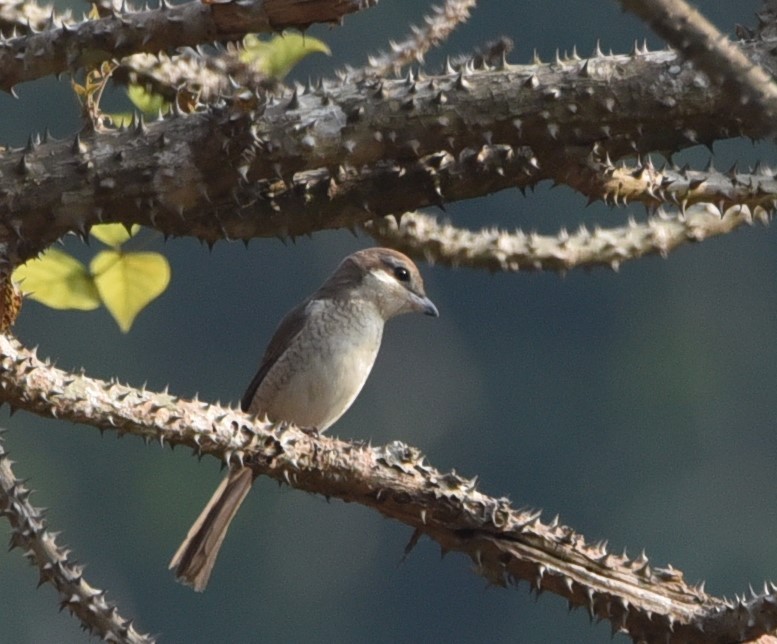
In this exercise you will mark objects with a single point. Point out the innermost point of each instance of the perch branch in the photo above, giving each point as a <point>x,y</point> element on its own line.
<point>507,545</point>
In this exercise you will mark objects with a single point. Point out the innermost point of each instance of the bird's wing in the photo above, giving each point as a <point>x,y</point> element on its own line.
<point>289,328</point>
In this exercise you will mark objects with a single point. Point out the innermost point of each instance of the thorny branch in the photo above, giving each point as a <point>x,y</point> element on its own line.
<point>438,26</point>
<point>71,46</point>
<point>507,545</point>
<point>39,545</point>
<point>341,153</point>
<point>420,235</point>
<point>347,152</point>
<point>685,29</point>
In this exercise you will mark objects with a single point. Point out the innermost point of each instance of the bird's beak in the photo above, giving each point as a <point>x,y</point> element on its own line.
<point>427,307</point>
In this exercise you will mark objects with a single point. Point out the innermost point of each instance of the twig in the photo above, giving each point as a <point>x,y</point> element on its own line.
<point>39,546</point>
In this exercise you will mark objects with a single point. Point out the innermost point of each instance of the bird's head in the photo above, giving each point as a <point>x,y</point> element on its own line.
<point>385,277</point>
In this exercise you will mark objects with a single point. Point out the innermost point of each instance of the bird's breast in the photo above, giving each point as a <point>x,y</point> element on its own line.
<point>320,374</point>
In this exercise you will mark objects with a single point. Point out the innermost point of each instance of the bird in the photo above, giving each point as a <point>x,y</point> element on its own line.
<point>311,372</point>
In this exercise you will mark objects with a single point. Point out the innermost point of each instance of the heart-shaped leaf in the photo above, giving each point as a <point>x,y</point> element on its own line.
<point>59,281</point>
<point>276,57</point>
<point>127,282</point>
<point>113,234</point>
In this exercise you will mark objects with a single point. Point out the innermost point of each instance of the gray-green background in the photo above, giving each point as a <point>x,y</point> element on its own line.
<point>639,406</point>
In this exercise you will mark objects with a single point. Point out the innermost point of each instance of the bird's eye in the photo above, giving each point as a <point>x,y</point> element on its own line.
<point>402,274</point>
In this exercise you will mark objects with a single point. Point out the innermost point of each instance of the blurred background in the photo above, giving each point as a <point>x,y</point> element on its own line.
<point>637,405</point>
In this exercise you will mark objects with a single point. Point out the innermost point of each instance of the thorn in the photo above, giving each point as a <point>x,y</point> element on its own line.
<point>411,544</point>
<point>293,104</point>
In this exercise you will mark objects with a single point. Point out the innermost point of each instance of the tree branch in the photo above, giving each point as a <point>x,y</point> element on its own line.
<point>72,46</point>
<point>421,236</point>
<point>39,546</point>
<point>743,82</point>
<point>507,545</point>
<point>344,153</point>
<point>18,17</point>
<point>438,26</point>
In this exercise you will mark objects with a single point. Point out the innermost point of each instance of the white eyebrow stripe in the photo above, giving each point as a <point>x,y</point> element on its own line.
<point>382,275</point>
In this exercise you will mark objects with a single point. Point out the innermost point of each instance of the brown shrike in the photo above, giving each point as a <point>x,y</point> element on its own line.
<point>314,367</point>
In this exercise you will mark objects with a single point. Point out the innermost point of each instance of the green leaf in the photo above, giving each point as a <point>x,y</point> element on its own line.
<point>122,119</point>
<point>59,281</point>
<point>114,234</point>
<point>127,282</point>
<point>278,55</point>
<point>146,101</point>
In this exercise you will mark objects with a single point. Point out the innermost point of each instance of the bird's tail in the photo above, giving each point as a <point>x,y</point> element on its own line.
<point>194,559</point>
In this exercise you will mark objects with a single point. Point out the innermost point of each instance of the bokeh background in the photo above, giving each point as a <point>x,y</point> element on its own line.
<point>637,405</point>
